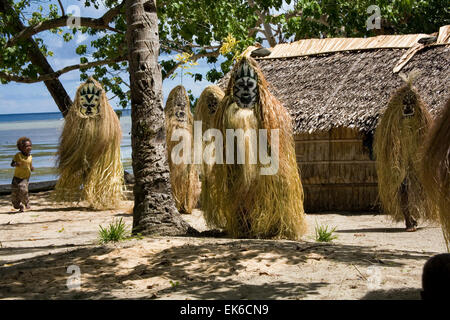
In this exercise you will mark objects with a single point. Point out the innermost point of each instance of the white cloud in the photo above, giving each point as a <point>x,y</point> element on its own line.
<point>59,63</point>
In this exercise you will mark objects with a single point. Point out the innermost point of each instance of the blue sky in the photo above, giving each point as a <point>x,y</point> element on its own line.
<point>35,98</point>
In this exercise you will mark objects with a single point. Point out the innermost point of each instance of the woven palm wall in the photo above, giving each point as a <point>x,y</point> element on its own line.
<point>337,171</point>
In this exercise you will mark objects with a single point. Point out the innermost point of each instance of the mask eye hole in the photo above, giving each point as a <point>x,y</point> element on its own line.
<point>180,114</point>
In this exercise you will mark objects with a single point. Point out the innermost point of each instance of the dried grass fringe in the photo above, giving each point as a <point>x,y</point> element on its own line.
<point>261,206</point>
<point>184,178</point>
<point>397,150</point>
<point>207,105</point>
<point>436,169</point>
<point>88,157</point>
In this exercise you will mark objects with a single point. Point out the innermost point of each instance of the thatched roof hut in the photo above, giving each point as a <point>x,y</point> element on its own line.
<point>335,91</point>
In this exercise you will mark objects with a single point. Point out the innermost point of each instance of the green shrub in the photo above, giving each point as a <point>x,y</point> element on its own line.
<point>116,231</point>
<point>323,235</point>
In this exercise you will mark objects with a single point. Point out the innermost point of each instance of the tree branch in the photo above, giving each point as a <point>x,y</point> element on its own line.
<point>267,28</point>
<point>56,74</point>
<point>94,23</point>
<point>194,58</point>
<point>37,58</point>
<point>292,14</point>
<point>62,8</point>
<point>253,31</point>
<point>111,13</point>
<point>170,45</point>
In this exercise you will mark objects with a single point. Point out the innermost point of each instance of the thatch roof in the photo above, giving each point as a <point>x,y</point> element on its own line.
<point>352,88</point>
<point>308,47</point>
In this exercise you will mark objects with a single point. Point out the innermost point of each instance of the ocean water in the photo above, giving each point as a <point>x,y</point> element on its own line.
<point>44,130</point>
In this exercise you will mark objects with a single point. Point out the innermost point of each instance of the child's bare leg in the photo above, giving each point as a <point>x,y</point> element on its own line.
<point>15,193</point>
<point>23,193</point>
<point>16,205</point>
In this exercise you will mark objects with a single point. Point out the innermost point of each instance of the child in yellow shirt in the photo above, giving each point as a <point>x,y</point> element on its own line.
<point>23,163</point>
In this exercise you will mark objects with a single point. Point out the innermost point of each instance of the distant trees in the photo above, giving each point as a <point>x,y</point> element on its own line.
<point>189,31</point>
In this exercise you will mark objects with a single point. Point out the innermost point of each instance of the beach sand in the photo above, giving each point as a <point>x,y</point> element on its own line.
<point>372,258</point>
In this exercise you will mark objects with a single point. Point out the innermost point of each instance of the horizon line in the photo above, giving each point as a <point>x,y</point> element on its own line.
<point>18,114</point>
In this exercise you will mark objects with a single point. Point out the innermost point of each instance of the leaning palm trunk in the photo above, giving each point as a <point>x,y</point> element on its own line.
<point>154,211</point>
<point>436,169</point>
<point>183,174</point>
<point>250,204</point>
<point>88,157</point>
<point>398,138</point>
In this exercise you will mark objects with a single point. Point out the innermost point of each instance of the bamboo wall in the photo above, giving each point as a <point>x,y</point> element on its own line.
<point>336,171</point>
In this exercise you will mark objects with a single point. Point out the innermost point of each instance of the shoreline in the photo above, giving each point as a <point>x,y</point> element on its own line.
<point>33,187</point>
<point>40,186</point>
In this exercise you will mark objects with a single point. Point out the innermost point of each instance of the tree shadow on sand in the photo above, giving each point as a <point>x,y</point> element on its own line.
<point>200,269</point>
<point>5,201</point>
<point>45,276</point>
<point>375,230</point>
<point>53,209</point>
<point>393,294</point>
<point>6,226</point>
<point>11,251</point>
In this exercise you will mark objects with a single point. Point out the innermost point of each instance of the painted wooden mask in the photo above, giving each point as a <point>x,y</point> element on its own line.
<point>89,99</point>
<point>409,100</point>
<point>180,104</point>
<point>245,90</point>
<point>213,103</point>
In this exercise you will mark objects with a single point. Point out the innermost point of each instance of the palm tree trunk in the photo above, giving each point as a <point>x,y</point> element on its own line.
<point>154,208</point>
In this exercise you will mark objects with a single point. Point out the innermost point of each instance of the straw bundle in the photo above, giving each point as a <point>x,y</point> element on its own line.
<point>207,105</point>
<point>183,176</point>
<point>250,204</point>
<point>88,156</point>
<point>398,137</point>
<point>436,169</point>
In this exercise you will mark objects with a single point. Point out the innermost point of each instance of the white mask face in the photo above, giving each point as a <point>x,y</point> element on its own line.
<point>180,102</point>
<point>245,90</point>
<point>90,99</point>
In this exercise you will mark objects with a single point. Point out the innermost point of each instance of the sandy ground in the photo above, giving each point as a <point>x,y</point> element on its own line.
<point>372,258</point>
